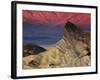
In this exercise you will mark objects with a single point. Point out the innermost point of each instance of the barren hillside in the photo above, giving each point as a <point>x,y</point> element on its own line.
<point>73,50</point>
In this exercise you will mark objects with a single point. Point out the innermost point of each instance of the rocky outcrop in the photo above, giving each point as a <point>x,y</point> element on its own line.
<point>74,40</point>
<point>73,50</point>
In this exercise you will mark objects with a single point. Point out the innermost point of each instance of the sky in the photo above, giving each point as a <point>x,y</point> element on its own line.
<point>46,28</point>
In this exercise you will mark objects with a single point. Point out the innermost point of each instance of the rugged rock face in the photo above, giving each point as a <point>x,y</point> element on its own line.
<point>75,39</point>
<point>72,50</point>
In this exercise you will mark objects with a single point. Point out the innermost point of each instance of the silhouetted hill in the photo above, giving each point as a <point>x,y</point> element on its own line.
<point>32,49</point>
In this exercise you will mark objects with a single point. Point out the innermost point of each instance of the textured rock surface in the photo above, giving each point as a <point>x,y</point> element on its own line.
<point>72,50</point>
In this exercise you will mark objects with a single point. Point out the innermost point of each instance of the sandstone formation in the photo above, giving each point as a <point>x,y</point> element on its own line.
<point>73,50</point>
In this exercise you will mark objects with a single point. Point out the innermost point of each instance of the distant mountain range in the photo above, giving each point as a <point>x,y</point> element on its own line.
<point>32,49</point>
<point>72,50</point>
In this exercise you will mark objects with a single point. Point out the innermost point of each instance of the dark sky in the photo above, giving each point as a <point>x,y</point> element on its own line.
<point>46,28</point>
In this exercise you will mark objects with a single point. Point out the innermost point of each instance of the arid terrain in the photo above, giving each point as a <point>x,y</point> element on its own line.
<point>72,50</point>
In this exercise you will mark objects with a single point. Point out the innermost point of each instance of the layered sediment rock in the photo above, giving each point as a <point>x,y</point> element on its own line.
<point>72,50</point>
